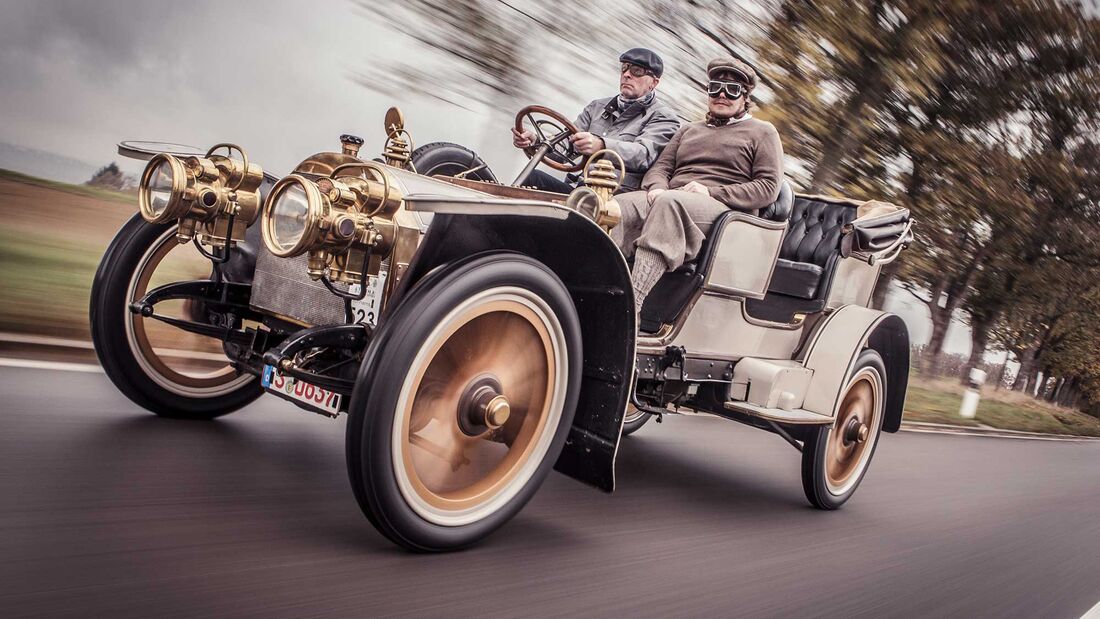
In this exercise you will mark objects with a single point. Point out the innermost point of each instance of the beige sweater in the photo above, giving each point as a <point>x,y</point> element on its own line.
<point>740,163</point>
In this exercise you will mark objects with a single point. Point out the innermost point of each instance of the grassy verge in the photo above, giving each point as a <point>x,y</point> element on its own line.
<point>46,283</point>
<point>938,401</point>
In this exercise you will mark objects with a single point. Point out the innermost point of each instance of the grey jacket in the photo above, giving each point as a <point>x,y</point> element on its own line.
<point>637,133</point>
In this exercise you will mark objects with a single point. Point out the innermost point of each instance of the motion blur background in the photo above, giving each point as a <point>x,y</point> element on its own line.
<point>979,116</point>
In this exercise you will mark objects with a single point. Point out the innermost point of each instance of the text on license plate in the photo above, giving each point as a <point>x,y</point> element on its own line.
<point>300,390</point>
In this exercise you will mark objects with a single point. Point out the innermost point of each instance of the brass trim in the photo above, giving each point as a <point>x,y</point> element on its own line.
<point>180,181</point>
<point>316,209</point>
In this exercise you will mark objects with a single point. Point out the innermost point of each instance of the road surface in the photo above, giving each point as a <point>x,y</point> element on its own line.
<point>110,511</point>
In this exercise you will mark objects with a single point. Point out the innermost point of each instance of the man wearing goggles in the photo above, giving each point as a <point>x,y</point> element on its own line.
<point>728,161</point>
<point>634,124</point>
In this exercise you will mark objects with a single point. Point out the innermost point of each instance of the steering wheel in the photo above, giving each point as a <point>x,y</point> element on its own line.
<point>551,143</point>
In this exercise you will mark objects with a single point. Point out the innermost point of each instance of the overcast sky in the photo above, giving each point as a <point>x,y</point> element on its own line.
<point>79,76</point>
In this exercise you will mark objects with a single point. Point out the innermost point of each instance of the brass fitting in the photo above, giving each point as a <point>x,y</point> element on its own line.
<point>601,179</point>
<point>396,150</point>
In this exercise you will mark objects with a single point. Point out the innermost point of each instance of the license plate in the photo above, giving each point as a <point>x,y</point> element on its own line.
<point>366,310</point>
<point>300,391</point>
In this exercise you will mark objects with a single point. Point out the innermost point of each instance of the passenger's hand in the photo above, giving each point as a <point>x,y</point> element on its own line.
<point>585,143</point>
<point>522,139</point>
<point>696,187</point>
<point>653,193</point>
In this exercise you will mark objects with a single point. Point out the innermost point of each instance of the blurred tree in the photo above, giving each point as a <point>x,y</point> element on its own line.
<point>500,53</point>
<point>111,177</point>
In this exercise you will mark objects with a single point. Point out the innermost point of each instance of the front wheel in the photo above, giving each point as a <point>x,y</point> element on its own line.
<point>464,402</point>
<point>835,458</point>
<point>159,367</point>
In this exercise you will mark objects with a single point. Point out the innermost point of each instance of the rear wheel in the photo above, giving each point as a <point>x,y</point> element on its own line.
<point>634,420</point>
<point>161,368</point>
<point>835,458</point>
<point>461,410</point>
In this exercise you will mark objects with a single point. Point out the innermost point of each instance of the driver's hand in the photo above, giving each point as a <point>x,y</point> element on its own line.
<point>653,193</point>
<point>585,143</point>
<point>696,187</point>
<point>522,139</point>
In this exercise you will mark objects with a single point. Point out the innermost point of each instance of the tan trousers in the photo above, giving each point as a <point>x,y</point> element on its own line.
<point>674,226</point>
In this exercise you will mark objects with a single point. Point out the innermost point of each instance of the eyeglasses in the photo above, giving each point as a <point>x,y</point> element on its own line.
<point>634,70</point>
<point>733,90</point>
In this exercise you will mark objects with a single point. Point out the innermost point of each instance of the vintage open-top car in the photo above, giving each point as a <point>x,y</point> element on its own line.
<point>479,334</point>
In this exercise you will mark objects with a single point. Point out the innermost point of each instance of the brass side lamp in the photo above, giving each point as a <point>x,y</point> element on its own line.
<point>343,222</point>
<point>214,197</point>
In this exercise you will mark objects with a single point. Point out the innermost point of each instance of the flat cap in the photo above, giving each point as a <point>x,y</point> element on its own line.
<point>644,58</point>
<point>742,70</point>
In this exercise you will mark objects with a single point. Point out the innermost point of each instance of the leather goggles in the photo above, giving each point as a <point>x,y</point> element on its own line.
<point>733,90</point>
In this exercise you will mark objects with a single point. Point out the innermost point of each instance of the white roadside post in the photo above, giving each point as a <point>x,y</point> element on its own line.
<point>969,407</point>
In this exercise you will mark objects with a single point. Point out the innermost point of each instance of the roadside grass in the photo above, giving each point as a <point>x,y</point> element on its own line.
<point>938,401</point>
<point>46,283</point>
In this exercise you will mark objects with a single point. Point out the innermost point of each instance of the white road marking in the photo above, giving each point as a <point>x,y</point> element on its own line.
<point>1093,613</point>
<point>60,342</point>
<point>43,340</point>
<point>49,365</point>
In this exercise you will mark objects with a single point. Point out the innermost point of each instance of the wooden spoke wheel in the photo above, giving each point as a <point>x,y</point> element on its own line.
<point>160,367</point>
<point>835,458</point>
<point>463,408</point>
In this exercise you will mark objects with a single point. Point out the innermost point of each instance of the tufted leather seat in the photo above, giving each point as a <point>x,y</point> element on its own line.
<point>812,240</point>
<point>802,276</point>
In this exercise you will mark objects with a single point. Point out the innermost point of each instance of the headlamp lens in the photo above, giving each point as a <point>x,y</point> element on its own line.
<point>159,190</point>
<point>289,215</point>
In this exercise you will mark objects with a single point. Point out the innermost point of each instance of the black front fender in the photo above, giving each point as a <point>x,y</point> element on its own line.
<point>594,271</point>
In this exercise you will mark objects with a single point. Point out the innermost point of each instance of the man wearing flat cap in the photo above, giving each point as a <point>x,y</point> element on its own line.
<point>634,124</point>
<point>728,161</point>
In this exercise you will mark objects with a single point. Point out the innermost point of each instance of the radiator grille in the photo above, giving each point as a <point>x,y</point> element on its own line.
<point>281,286</point>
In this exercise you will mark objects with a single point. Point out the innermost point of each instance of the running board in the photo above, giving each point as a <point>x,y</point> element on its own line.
<point>795,416</point>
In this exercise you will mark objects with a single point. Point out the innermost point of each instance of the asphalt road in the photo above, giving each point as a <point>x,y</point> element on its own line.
<point>107,510</point>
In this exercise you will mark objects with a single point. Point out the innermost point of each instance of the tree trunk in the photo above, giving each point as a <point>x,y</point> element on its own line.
<point>1052,388</point>
<point>1069,392</point>
<point>1000,384</point>
<point>1027,360</point>
<point>979,339</point>
<point>933,353</point>
<point>1033,382</point>
<point>1056,393</point>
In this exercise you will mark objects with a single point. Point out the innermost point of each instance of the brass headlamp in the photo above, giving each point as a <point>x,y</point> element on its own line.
<point>213,197</point>
<point>344,222</point>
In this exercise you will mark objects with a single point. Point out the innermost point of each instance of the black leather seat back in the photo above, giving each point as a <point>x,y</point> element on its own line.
<point>814,231</point>
<point>807,262</point>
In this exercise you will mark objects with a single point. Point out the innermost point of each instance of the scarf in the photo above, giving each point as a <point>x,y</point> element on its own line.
<point>719,122</point>
<point>645,100</point>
